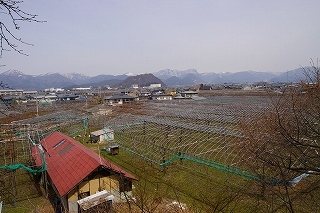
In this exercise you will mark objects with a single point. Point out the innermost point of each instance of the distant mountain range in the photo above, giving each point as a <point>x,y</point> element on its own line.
<point>192,77</point>
<point>18,80</point>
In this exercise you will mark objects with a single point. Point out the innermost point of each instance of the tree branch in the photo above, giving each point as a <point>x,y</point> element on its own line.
<point>7,39</point>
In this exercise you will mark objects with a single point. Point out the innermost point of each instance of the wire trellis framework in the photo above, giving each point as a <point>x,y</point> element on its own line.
<point>16,141</point>
<point>206,133</point>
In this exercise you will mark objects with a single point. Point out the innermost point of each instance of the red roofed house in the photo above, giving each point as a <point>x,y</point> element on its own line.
<point>76,172</point>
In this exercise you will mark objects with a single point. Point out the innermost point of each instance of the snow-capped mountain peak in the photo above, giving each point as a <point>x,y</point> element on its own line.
<point>176,73</point>
<point>14,73</point>
<point>75,75</point>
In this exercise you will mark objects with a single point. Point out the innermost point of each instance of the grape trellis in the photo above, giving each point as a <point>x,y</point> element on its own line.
<point>206,133</point>
<point>16,141</point>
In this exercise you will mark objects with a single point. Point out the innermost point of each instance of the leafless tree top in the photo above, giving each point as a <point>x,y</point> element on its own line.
<point>11,9</point>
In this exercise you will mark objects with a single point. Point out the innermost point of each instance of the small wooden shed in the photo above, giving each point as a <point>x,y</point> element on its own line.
<point>114,150</point>
<point>101,135</point>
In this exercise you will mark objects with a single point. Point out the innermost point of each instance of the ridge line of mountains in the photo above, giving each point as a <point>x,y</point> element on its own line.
<point>14,79</point>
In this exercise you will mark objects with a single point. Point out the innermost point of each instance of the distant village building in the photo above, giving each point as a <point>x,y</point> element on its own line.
<point>171,92</point>
<point>158,91</point>
<point>33,92</point>
<point>54,90</point>
<point>161,97</point>
<point>135,86</point>
<point>119,99</point>
<point>43,98</point>
<point>155,86</point>
<point>14,92</point>
<point>7,100</point>
<point>205,87</point>
<point>247,88</point>
<point>81,88</point>
<point>67,97</point>
<point>144,95</point>
<point>188,94</point>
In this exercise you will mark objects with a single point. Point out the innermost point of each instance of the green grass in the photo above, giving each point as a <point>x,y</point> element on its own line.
<point>196,185</point>
<point>21,194</point>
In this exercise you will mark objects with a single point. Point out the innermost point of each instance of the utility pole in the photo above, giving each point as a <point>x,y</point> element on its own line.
<point>37,106</point>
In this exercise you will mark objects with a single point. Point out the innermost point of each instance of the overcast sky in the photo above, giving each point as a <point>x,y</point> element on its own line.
<point>144,36</point>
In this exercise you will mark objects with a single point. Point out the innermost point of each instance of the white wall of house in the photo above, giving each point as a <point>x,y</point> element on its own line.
<point>162,98</point>
<point>104,134</point>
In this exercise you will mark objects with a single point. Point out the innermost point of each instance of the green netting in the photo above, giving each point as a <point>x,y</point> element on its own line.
<point>210,163</point>
<point>213,164</point>
<point>85,123</point>
<point>15,167</point>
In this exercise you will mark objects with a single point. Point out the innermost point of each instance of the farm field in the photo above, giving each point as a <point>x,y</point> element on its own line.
<point>194,149</point>
<point>189,156</point>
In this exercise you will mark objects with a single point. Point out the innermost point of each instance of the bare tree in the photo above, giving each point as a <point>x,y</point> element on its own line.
<point>285,146</point>
<point>8,40</point>
<point>10,10</point>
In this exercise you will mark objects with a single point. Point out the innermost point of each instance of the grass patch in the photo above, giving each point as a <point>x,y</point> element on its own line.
<point>21,194</point>
<point>198,186</point>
